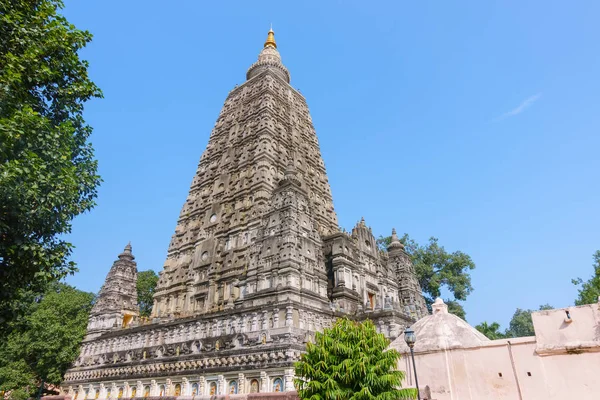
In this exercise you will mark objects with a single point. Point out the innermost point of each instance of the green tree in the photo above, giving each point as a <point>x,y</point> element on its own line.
<point>590,290</point>
<point>146,285</point>
<point>436,269</point>
<point>491,331</point>
<point>521,323</point>
<point>47,343</point>
<point>454,307</point>
<point>47,168</point>
<point>350,360</point>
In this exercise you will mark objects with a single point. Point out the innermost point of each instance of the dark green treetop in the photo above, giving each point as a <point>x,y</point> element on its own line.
<point>437,269</point>
<point>146,285</point>
<point>47,342</point>
<point>47,168</point>
<point>589,291</point>
<point>350,360</point>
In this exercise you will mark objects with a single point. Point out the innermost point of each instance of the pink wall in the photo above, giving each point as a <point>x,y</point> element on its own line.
<point>561,362</point>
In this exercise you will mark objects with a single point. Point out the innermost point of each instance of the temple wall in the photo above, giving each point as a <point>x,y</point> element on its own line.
<point>561,362</point>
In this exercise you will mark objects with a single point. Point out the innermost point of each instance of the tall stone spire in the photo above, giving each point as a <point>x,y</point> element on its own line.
<point>263,129</point>
<point>116,306</point>
<point>410,293</point>
<point>256,267</point>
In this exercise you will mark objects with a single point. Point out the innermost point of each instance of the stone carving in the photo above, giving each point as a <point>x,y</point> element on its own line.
<point>116,305</point>
<point>256,266</point>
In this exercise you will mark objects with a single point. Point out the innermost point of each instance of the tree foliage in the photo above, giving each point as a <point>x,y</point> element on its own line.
<point>438,269</point>
<point>350,361</point>
<point>491,331</point>
<point>454,307</point>
<point>47,169</point>
<point>146,285</point>
<point>521,324</point>
<point>47,343</point>
<point>589,291</point>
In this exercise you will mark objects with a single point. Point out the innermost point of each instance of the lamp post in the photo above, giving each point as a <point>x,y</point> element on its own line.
<point>410,338</point>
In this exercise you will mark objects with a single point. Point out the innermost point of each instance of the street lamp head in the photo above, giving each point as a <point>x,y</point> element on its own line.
<point>409,337</point>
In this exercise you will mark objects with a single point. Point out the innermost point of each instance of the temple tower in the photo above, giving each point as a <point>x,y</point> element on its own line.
<point>256,267</point>
<point>263,127</point>
<point>409,289</point>
<point>116,306</point>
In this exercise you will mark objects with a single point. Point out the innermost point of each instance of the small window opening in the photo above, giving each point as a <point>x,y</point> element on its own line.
<point>500,374</point>
<point>528,373</point>
<point>372,300</point>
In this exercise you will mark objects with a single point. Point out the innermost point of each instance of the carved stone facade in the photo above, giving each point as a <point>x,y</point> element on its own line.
<point>256,266</point>
<point>116,306</point>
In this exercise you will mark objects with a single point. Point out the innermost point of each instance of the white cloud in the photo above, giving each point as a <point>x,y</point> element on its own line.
<point>525,104</point>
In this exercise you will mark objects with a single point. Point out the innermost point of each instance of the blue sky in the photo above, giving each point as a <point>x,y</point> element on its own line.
<point>474,122</point>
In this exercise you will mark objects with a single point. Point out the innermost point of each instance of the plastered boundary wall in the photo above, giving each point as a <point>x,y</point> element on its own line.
<point>561,362</point>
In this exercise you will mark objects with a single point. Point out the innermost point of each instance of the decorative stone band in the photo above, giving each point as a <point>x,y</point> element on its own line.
<point>229,331</point>
<point>280,358</point>
<point>260,66</point>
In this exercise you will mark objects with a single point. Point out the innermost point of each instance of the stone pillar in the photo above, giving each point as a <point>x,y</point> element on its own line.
<point>254,322</point>
<point>102,394</point>
<point>264,382</point>
<point>288,377</point>
<point>139,389</point>
<point>241,293</point>
<point>197,330</point>
<point>261,284</point>
<point>211,293</point>
<point>241,383</point>
<point>202,386</point>
<point>186,388</point>
<point>243,323</point>
<point>289,316</point>
<point>221,389</point>
<point>153,388</point>
<point>276,318</point>
<point>114,392</point>
<point>265,320</point>
<point>302,319</point>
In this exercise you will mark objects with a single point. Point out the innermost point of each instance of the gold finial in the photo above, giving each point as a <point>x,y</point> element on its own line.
<point>271,38</point>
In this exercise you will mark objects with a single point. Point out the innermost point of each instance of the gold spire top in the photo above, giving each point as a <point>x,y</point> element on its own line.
<point>271,38</point>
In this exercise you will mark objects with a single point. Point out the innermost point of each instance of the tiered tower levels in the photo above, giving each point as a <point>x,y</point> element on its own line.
<point>256,266</point>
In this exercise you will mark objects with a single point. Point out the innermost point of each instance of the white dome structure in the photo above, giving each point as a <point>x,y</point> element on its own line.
<point>441,331</point>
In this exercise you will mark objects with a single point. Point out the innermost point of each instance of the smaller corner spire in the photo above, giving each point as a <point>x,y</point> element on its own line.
<point>127,253</point>
<point>395,243</point>
<point>271,38</point>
